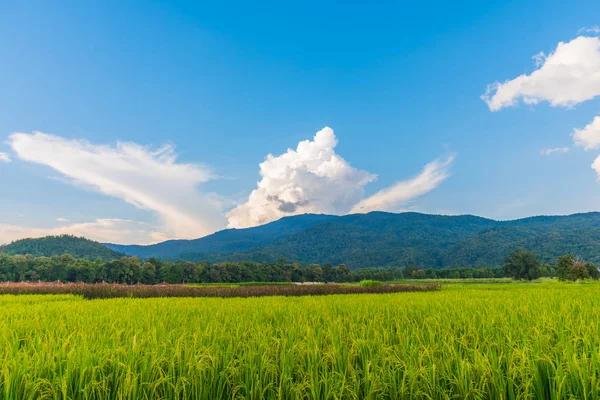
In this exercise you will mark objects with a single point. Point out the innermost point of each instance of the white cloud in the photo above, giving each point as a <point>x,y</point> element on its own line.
<point>310,179</point>
<point>548,152</point>
<point>401,192</point>
<point>151,180</point>
<point>5,158</point>
<point>314,179</point>
<point>101,230</point>
<point>568,76</point>
<point>593,29</point>
<point>596,166</point>
<point>588,137</point>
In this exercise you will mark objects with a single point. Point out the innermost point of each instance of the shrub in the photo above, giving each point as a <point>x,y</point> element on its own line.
<point>369,283</point>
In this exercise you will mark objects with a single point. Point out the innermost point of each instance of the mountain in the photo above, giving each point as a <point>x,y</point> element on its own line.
<point>58,245</point>
<point>228,240</point>
<point>387,239</point>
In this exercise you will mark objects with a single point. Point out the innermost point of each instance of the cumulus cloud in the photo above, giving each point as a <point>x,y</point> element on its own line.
<point>310,179</point>
<point>588,137</point>
<point>4,158</point>
<point>401,192</point>
<point>556,150</point>
<point>568,76</point>
<point>148,179</point>
<point>314,179</point>
<point>102,230</point>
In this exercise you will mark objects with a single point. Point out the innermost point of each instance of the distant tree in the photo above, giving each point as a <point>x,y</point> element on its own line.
<point>408,271</point>
<point>564,267</point>
<point>522,264</point>
<point>579,271</point>
<point>148,273</point>
<point>328,273</point>
<point>418,274</point>
<point>313,273</point>
<point>592,270</point>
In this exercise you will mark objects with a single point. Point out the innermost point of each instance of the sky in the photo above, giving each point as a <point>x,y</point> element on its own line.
<point>137,122</point>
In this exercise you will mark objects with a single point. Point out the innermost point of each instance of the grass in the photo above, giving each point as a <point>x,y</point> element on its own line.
<point>369,283</point>
<point>498,341</point>
<point>463,280</point>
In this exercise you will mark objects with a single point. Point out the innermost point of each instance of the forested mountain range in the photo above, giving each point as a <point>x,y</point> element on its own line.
<point>387,239</point>
<point>376,239</point>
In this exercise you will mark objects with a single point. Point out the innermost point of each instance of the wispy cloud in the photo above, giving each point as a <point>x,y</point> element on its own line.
<point>548,152</point>
<point>568,76</point>
<point>309,179</point>
<point>5,158</point>
<point>102,230</point>
<point>389,199</point>
<point>148,179</point>
<point>592,29</point>
<point>314,179</point>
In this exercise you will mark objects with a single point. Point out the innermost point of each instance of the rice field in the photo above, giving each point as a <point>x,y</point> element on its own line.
<point>467,341</point>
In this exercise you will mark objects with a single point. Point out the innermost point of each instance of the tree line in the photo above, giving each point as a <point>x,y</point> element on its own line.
<point>131,270</point>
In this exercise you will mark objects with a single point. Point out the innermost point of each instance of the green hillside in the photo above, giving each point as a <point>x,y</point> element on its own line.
<point>387,239</point>
<point>228,240</point>
<point>58,245</point>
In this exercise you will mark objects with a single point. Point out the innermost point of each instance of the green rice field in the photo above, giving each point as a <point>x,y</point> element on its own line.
<point>467,341</point>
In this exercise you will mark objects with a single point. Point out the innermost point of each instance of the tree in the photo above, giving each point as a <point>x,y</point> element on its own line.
<point>328,272</point>
<point>418,274</point>
<point>522,264</point>
<point>148,273</point>
<point>592,271</point>
<point>564,268</point>
<point>313,273</point>
<point>410,270</point>
<point>579,271</point>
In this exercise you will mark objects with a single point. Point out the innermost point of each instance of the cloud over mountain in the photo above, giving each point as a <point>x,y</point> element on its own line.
<point>314,179</point>
<point>311,178</point>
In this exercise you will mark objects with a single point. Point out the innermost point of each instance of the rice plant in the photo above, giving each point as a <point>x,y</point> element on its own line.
<point>496,341</point>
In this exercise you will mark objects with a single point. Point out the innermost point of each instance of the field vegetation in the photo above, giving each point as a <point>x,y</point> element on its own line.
<point>105,290</point>
<point>467,341</point>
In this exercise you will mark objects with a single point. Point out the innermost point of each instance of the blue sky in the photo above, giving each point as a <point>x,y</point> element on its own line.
<point>199,94</point>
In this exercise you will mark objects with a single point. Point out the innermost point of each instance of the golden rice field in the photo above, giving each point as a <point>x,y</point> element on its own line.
<point>471,341</point>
